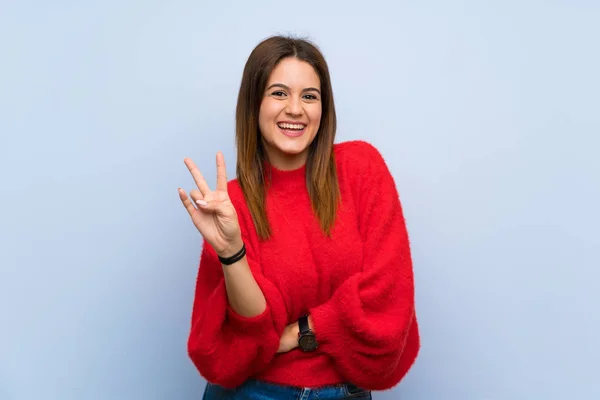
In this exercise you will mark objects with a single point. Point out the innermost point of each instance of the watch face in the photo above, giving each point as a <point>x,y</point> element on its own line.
<point>308,342</point>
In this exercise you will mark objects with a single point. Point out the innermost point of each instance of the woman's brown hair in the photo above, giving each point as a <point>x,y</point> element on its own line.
<point>321,175</point>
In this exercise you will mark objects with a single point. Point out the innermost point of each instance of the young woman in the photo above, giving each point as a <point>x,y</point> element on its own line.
<point>305,286</point>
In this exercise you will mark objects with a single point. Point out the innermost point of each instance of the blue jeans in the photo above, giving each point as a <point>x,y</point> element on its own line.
<point>258,390</point>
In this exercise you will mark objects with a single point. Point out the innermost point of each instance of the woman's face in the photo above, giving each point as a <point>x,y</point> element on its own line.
<point>290,113</point>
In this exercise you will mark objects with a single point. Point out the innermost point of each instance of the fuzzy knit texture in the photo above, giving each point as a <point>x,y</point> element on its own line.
<point>357,285</point>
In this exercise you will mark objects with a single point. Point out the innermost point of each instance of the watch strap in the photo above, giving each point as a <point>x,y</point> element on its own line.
<point>303,324</point>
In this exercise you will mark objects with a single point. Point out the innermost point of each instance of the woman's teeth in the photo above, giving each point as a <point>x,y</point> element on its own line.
<point>291,126</point>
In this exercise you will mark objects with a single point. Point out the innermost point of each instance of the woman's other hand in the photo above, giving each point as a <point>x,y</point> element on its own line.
<point>289,338</point>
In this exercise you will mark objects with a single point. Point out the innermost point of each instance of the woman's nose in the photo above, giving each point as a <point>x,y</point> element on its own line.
<point>294,107</point>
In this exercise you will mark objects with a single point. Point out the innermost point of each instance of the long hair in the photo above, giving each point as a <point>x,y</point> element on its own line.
<point>321,174</point>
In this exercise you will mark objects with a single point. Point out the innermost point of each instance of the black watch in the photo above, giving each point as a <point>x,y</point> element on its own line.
<point>307,341</point>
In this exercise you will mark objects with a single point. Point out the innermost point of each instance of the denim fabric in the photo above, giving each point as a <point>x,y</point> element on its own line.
<point>258,390</point>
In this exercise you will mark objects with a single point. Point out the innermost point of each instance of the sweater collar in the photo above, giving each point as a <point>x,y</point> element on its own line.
<point>290,179</point>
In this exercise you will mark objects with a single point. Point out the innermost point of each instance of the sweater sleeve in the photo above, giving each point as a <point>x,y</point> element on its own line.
<point>365,325</point>
<point>226,347</point>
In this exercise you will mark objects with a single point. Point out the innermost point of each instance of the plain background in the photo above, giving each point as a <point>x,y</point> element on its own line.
<point>489,118</point>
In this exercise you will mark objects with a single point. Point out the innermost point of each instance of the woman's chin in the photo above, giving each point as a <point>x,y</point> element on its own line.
<point>292,149</point>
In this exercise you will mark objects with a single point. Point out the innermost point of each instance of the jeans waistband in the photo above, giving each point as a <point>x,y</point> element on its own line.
<point>260,390</point>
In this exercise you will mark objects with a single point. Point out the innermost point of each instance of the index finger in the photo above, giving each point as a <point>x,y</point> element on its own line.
<point>198,178</point>
<point>221,172</point>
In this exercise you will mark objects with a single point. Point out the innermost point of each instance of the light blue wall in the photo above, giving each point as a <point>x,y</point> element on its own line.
<point>489,116</point>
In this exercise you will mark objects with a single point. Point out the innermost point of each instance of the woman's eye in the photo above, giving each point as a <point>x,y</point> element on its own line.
<point>278,93</point>
<point>310,97</point>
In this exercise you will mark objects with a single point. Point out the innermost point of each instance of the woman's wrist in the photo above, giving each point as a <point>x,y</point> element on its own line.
<point>294,333</point>
<point>232,249</point>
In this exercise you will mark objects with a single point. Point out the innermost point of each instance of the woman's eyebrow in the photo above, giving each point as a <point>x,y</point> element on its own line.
<point>281,85</point>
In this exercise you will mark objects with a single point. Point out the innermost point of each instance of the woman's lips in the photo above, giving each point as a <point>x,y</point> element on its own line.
<point>291,132</point>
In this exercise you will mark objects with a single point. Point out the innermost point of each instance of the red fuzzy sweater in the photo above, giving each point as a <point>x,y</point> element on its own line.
<point>357,285</point>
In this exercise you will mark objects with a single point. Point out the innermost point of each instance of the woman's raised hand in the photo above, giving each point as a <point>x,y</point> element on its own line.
<point>212,212</point>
